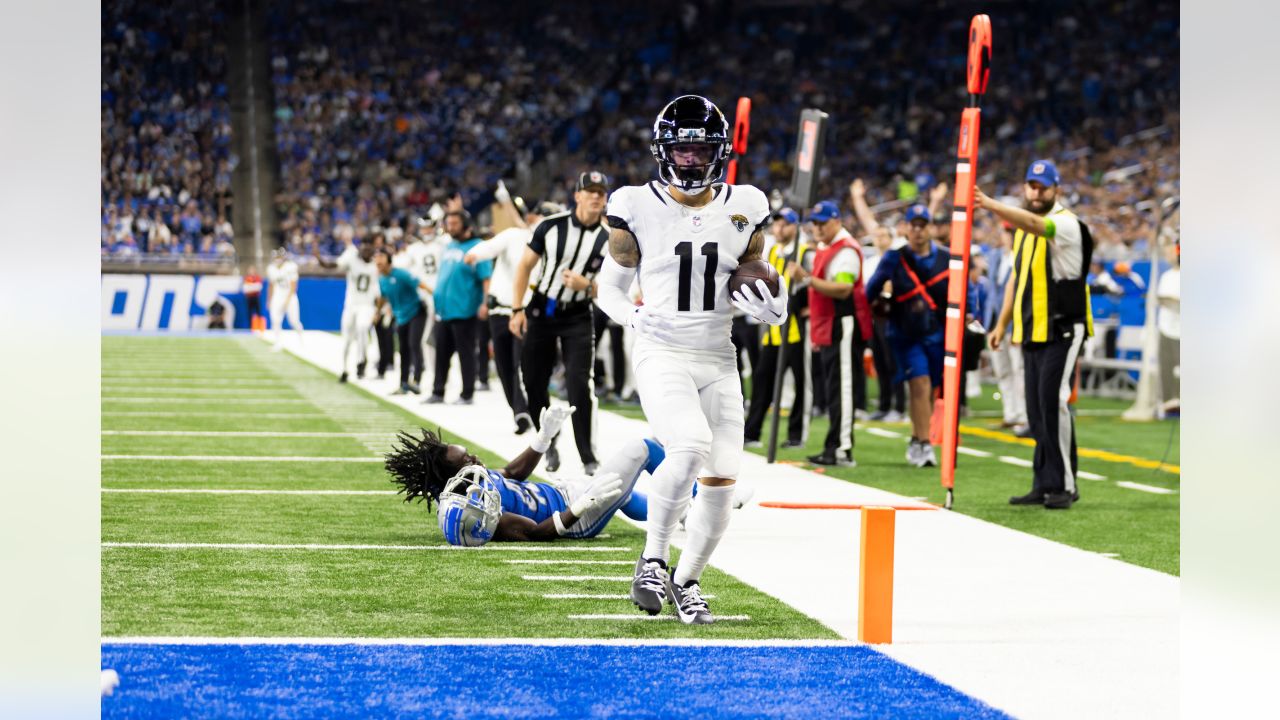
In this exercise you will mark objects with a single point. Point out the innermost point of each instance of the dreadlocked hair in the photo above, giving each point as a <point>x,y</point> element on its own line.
<point>417,465</point>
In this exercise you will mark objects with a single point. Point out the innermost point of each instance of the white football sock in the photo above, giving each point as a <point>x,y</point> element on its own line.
<point>705,525</point>
<point>669,491</point>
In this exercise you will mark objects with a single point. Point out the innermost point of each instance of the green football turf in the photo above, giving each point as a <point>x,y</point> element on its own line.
<point>1137,527</point>
<point>327,592</point>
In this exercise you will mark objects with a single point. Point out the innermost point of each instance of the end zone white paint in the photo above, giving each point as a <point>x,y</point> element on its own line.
<point>233,491</point>
<point>576,578</point>
<point>569,562</point>
<point>989,610</point>
<point>246,458</point>
<point>454,642</point>
<point>495,547</point>
<point>660,618</point>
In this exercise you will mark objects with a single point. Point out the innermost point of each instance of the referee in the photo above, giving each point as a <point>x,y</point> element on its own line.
<point>571,247</point>
<point>1047,300</point>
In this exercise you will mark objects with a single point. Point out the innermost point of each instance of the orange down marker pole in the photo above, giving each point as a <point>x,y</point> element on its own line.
<point>875,576</point>
<point>741,131</point>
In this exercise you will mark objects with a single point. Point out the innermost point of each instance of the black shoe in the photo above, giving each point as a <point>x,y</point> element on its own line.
<point>343,377</point>
<point>825,459</point>
<point>382,374</point>
<point>433,400</point>
<point>482,387</point>
<point>463,401</point>
<point>413,388</point>
<point>790,444</point>
<point>553,459</point>
<point>879,415</point>
<point>360,370</point>
<point>524,423</point>
<point>649,585</point>
<point>1059,501</point>
<point>1035,497</point>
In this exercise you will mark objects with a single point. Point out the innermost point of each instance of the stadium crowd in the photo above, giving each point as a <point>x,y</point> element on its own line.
<point>166,131</point>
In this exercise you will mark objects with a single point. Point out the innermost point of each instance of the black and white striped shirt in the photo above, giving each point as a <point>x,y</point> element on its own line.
<point>564,242</point>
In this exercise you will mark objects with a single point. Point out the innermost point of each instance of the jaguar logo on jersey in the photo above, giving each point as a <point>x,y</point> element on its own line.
<point>739,221</point>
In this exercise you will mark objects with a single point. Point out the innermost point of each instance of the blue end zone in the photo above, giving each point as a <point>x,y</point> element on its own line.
<point>529,681</point>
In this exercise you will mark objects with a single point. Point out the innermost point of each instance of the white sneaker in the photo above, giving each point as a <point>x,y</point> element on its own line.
<point>894,417</point>
<point>912,453</point>
<point>753,444</point>
<point>926,455</point>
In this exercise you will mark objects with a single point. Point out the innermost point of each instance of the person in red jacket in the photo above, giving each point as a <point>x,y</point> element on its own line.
<point>839,325</point>
<point>252,288</point>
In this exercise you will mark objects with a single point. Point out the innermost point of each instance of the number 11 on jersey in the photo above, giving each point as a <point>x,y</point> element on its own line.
<point>712,252</point>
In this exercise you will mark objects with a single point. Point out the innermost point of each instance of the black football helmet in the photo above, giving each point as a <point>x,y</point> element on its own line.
<point>691,120</point>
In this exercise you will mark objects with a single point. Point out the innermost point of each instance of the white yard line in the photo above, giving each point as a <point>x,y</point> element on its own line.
<point>1009,459</point>
<point>246,433</point>
<point>244,458</point>
<point>452,642</point>
<point>659,618</point>
<point>1089,476</point>
<point>970,451</point>
<point>1145,488</point>
<point>286,546</point>
<point>229,491</point>
<point>590,596</point>
<point>236,413</point>
<point>881,432</point>
<point>577,578</point>
<point>113,391</point>
<point>569,562</point>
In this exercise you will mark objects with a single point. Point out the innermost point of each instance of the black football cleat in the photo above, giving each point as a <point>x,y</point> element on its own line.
<point>649,586</point>
<point>1034,497</point>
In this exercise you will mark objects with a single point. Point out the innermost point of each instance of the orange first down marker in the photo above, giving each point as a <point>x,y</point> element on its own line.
<point>875,577</point>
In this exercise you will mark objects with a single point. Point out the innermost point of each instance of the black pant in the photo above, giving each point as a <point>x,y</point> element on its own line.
<point>819,375</point>
<point>762,390</point>
<point>253,303</point>
<point>409,335</point>
<point>456,336</point>
<point>574,333</point>
<point>746,339</point>
<point>893,395</point>
<point>838,362</point>
<point>506,356</point>
<point>482,351</point>
<point>1048,368</point>
<point>386,344</point>
<point>617,351</point>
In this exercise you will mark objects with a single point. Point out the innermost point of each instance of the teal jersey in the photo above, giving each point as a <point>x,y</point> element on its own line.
<point>400,288</point>
<point>459,290</point>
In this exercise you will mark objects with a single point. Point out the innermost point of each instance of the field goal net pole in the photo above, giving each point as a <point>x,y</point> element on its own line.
<point>1148,405</point>
<point>811,141</point>
<point>978,71</point>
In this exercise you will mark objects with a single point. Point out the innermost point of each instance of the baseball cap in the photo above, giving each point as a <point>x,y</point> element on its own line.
<point>547,207</point>
<point>917,212</point>
<point>1043,172</point>
<point>788,214</point>
<point>593,178</point>
<point>824,211</point>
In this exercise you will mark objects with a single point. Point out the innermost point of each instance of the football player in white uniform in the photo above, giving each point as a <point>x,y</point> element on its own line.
<point>282,273</point>
<point>360,303</point>
<point>422,258</point>
<point>684,236</point>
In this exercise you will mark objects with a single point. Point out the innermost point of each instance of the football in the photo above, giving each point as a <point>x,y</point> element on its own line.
<point>747,273</point>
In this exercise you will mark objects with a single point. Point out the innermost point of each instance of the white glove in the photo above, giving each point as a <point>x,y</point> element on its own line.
<point>772,310</point>
<point>602,491</point>
<point>502,194</point>
<point>647,323</point>
<point>551,420</point>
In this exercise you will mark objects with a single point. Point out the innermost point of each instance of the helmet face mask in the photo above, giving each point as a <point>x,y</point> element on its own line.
<point>691,143</point>
<point>470,507</point>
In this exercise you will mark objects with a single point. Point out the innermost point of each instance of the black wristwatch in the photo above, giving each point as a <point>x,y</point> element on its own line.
<point>515,310</point>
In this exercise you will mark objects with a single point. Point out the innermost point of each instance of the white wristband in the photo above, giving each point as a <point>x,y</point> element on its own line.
<point>539,445</point>
<point>560,528</point>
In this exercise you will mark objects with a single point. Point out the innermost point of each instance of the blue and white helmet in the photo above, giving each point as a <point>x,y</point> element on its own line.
<point>469,508</point>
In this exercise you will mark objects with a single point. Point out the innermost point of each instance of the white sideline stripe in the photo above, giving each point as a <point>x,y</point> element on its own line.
<point>245,458</point>
<point>881,432</point>
<point>267,546</point>
<point>569,562</point>
<point>970,451</point>
<point>1089,476</point>
<point>216,491</point>
<point>245,433</point>
<point>1145,488</point>
<point>238,401</point>
<point>589,596</point>
<point>577,578</point>
<point>198,391</point>
<point>659,618</point>
<point>1015,461</point>
<point>162,413</point>
<point>428,642</point>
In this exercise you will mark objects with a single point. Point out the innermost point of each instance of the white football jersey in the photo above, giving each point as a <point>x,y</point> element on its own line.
<point>687,254</point>
<point>362,279</point>
<point>422,259</point>
<point>282,276</point>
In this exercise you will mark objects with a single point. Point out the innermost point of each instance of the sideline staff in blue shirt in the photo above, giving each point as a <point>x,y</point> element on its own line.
<point>460,306</point>
<point>400,291</point>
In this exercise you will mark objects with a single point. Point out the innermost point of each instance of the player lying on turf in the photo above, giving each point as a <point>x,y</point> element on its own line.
<point>477,504</point>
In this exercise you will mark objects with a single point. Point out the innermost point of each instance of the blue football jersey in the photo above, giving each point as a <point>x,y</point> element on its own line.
<point>536,501</point>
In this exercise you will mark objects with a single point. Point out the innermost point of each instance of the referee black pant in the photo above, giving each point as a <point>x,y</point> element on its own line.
<point>456,336</point>
<point>838,360</point>
<point>385,332</point>
<point>410,336</point>
<point>1049,368</point>
<point>617,351</point>
<point>762,388</point>
<point>572,331</point>
<point>507,349</point>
